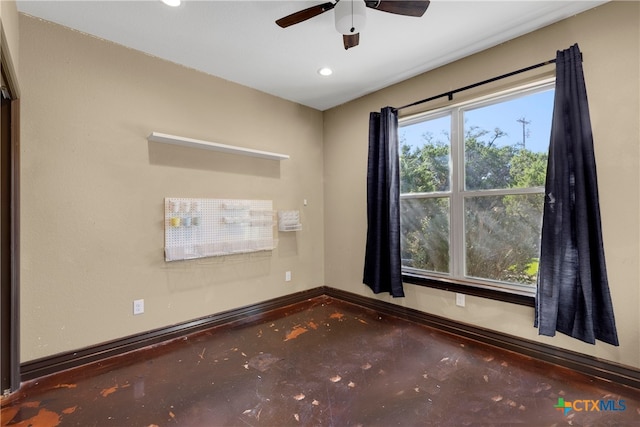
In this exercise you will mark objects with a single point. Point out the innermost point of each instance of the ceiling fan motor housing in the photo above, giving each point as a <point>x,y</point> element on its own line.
<point>350,16</point>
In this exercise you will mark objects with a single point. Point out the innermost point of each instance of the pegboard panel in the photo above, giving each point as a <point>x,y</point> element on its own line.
<point>199,228</point>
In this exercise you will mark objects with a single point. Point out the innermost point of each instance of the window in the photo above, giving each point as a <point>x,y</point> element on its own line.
<point>472,189</point>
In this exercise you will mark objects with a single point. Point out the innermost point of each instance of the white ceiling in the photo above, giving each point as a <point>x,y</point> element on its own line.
<point>239,40</point>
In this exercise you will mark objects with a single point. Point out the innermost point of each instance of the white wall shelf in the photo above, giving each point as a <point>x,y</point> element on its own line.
<point>230,149</point>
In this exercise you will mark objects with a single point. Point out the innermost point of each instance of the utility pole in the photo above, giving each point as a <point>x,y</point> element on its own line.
<point>524,132</point>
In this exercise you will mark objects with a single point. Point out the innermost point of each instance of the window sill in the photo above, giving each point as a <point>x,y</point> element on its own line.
<point>452,286</point>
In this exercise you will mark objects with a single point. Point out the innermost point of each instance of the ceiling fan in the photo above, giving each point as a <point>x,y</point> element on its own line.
<point>350,15</point>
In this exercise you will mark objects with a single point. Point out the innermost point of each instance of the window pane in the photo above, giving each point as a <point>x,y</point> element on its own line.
<point>425,156</point>
<point>502,237</point>
<point>425,233</point>
<point>506,143</point>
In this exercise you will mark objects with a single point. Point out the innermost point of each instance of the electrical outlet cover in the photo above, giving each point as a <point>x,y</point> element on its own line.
<point>138,306</point>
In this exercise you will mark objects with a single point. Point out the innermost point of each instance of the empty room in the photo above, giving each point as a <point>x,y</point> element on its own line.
<point>344,213</point>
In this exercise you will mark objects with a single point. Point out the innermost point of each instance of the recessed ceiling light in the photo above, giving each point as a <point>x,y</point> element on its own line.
<point>172,3</point>
<point>325,71</point>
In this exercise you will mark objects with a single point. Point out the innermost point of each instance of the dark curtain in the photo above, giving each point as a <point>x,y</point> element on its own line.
<point>573,291</point>
<point>382,264</point>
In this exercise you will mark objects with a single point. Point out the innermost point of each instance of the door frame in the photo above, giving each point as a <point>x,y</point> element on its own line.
<point>10,225</point>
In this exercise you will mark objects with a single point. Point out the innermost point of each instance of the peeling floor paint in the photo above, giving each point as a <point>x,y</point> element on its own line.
<point>330,363</point>
<point>295,332</point>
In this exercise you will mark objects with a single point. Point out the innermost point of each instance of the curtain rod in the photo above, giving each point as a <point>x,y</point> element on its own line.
<point>451,92</point>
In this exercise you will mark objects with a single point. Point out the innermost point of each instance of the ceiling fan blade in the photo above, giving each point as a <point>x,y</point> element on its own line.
<point>350,40</point>
<point>304,14</point>
<point>400,7</point>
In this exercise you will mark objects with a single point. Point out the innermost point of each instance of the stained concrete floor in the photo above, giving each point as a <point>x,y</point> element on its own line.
<point>324,363</point>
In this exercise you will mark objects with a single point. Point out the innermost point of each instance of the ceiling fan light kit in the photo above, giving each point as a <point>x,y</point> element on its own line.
<point>350,15</point>
<point>172,3</point>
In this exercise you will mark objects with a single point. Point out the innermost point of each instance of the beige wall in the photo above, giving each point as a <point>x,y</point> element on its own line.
<point>93,187</point>
<point>93,190</point>
<point>9,19</point>
<point>609,39</point>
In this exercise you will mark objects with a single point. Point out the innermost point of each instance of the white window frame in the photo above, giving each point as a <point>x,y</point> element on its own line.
<point>457,193</point>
